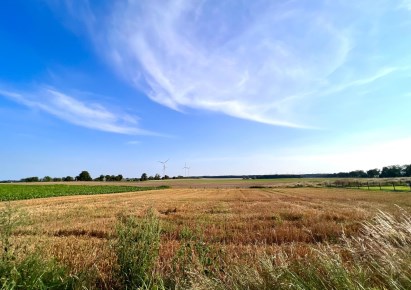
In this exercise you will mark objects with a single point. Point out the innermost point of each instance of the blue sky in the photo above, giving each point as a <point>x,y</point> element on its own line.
<point>228,87</point>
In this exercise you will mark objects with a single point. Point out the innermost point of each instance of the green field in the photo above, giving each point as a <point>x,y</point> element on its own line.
<point>22,191</point>
<point>384,188</point>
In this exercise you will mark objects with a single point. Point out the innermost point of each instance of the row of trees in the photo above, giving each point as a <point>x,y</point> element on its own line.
<point>83,176</point>
<point>145,177</point>
<point>47,179</point>
<point>387,171</point>
<point>109,178</point>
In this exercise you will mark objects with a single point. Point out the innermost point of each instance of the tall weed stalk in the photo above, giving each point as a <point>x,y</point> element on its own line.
<point>137,249</point>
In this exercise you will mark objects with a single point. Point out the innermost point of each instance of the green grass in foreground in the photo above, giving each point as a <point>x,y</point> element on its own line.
<point>19,191</point>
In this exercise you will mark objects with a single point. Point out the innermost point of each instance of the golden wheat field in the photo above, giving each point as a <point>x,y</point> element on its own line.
<point>78,230</point>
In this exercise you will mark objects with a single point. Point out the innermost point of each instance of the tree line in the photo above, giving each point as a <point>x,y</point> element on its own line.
<point>83,176</point>
<point>385,172</point>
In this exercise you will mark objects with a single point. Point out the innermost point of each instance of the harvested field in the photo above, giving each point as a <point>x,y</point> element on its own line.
<point>78,230</point>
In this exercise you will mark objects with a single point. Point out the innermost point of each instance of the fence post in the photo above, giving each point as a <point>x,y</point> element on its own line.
<point>379,183</point>
<point>393,185</point>
<point>368,186</point>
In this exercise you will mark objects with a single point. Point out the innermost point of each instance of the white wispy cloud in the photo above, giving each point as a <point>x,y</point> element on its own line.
<point>74,111</point>
<point>365,80</point>
<point>247,60</point>
<point>262,60</point>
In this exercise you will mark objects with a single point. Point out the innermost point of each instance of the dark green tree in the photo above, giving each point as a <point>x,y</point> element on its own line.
<point>157,177</point>
<point>84,176</point>
<point>391,171</point>
<point>372,173</point>
<point>143,177</point>
<point>30,179</point>
<point>68,178</point>
<point>406,170</point>
<point>357,174</point>
<point>100,178</point>
<point>46,179</point>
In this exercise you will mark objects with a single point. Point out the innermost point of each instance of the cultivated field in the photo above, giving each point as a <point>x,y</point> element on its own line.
<point>29,191</point>
<point>213,235</point>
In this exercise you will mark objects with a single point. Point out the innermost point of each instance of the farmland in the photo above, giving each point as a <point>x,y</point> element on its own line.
<point>21,191</point>
<point>209,233</point>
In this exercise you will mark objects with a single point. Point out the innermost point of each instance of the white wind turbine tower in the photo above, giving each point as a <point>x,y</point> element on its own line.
<point>186,169</point>
<point>164,166</point>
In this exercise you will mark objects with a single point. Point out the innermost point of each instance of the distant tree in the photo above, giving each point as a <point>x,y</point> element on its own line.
<point>166,177</point>
<point>150,178</point>
<point>391,171</point>
<point>372,173</point>
<point>46,179</point>
<point>68,178</point>
<point>406,170</point>
<point>57,179</point>
<point>343,174</point>
<point>118,177</point>
<point>143,177</point>
<point>157,177</point>
<point>357,174</point>
<point>30,179</point>
<point>84,176</point>
<point>100,178</point>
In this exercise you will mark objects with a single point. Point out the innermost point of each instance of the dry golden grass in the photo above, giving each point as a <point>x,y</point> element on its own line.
<point>78,230</point>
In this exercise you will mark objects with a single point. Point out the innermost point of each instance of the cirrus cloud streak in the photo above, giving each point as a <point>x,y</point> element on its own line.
<point>74,111</point>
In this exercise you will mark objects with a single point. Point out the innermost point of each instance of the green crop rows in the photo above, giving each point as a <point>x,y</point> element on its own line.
<point>17,191</point>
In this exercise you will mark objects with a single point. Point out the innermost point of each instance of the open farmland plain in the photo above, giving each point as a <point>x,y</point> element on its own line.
<point>217,235</point>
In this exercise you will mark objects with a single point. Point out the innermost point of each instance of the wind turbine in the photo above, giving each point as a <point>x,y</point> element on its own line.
<point>186,168</point>
<point>164,166</point>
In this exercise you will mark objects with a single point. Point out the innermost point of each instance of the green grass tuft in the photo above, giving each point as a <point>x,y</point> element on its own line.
<point>137,248</point>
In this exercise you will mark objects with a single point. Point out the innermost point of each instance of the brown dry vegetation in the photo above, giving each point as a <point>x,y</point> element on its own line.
<point>78,230</point>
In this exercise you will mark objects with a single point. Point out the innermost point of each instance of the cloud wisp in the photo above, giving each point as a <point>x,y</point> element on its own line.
<point>74,111</point>
<point>244,60</point>
<point>267,61</point>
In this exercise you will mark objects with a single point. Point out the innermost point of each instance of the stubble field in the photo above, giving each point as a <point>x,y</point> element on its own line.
<point>205,231</point>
